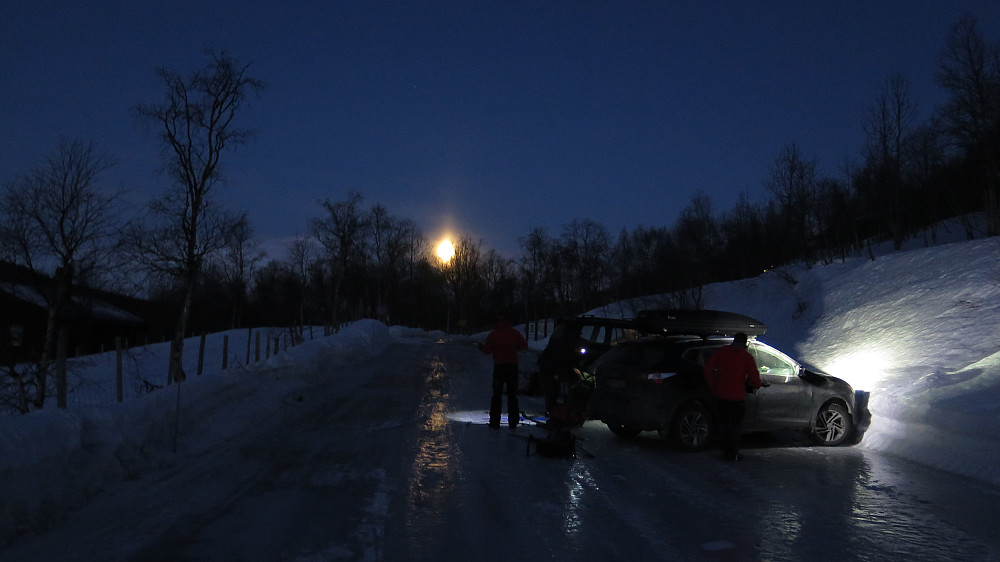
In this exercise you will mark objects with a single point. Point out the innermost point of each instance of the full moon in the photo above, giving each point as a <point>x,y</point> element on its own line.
<point>445,250</point>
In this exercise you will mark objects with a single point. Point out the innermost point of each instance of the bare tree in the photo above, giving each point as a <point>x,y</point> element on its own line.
<point>934,200</point>
<point>341,232</point>
<point>792,182</point>
<point>586,249</point>
<point>464,275</point>
<point>969,68</point>
<point>499,280</point>
<point>301,257</point>
<point>58,220</point>
<point>698,239</point>
<point>389,240</point>
<point>835,213</point>
<point>888,124</point>
<point>742,232</point>
<point>383,241</point>
<point>415,248</point>
<point>238,261</point>
<point>644,262</point>
<point>197,125</point>
<point>536,272</point>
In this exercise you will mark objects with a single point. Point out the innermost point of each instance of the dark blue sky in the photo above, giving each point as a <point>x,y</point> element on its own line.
<point>486,118</point>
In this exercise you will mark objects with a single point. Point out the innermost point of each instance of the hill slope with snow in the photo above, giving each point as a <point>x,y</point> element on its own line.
<point>920,329</point>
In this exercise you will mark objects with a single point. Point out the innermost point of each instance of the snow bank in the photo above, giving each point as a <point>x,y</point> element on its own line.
<point>920,329</point>
<point>53,458</point>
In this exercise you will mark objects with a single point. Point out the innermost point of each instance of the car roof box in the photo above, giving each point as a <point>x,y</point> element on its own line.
<point>698,322</point>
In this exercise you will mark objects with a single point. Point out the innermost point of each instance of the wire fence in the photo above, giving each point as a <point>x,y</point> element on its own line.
<point>127,373</point>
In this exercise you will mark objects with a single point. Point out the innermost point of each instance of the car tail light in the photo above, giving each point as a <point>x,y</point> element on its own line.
<point>658,378</point>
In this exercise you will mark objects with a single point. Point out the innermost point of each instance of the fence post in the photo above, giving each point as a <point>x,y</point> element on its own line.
<point>118,369</point>
<point>256,348</point>
<point>201,354</point>
<point>249,339</point>
<point>225,352</point>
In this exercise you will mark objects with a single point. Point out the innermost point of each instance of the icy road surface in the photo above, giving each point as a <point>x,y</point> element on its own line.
<point>373,466</point>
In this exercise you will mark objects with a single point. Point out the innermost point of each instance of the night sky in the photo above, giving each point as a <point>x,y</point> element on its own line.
<point>482,118</point>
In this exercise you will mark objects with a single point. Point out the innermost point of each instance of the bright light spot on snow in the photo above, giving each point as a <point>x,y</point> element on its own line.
<point>445,250</point>
<point>475,417</point>
<point>863,370</point>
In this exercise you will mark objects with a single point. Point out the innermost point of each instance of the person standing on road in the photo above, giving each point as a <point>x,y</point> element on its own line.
<point>731,372</point>
<point>503,343</point>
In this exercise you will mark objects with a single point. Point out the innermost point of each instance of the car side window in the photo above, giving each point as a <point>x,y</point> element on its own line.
<point>599,335</point>
<point>617,335</point>
<point>770,364</point>
<point>700,355</point>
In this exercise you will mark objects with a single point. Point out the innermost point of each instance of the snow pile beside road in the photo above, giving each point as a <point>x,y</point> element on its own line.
<point>52,458</point>
<point>361,340</point>
<point>946,420</point>
<point>919,329</point>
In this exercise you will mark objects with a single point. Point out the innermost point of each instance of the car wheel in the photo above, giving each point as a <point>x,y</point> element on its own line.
<point>623,430</point>
<point>833,425</point>
<point>692,428</point>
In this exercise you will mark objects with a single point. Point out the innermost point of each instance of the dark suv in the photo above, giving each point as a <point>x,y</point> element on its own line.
<point>656,383</point>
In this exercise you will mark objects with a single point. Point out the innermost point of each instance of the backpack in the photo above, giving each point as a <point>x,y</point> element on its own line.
<point>560,443</point>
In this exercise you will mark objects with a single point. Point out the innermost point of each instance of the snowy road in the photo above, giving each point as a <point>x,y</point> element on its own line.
<point>373,468</point>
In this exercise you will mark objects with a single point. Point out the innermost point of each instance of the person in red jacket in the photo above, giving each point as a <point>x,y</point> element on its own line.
<point>503,343</point>
<point>730,373</point>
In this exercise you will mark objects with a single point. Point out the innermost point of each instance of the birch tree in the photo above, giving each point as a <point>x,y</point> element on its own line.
<point>197,125</point>
<point>58,220</point>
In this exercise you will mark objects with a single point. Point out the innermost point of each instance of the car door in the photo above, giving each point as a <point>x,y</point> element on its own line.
<point>785,403</point>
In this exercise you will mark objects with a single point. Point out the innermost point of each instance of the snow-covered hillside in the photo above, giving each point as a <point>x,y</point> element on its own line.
<point>920,329</point>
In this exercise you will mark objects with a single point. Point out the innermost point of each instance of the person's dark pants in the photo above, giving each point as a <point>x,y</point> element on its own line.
<point>550,388</point>
<point>504,375</point>
<point>731,425</point>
